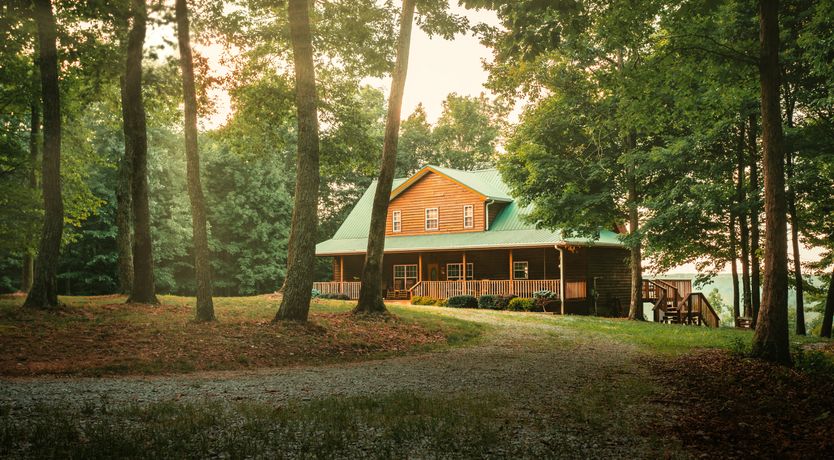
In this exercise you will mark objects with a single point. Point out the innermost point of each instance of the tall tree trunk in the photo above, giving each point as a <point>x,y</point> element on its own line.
<point>370,294</point>
<point>136,134</point>
<point>741,199</point>
<point>298,286</point>
<point>734,264</point>
<point>28,273</point>
<point>828,314</point>
<point>755,264</point>
<point>124,211</point>
<point>770,341</point>
<point>635,308</point>
<point>44,291</point>
<point>202,264</point>
<point>797,262</point>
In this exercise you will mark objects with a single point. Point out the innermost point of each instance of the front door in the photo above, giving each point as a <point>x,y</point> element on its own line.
<point>434,272</point>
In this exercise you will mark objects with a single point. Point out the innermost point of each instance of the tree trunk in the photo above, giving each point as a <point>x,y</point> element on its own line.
<point>298,286</point>
<point>370,294</point>
<point>44,291</point>
<point>202,264</point>
<point>136,135</point>
<point>124,212</point>
<point>797,262</point>
<point>770,341</point>
<point>755,265</point>
<point>635,308</point>
<point>741,199</point>
<point>828,315</point>
<point>28,273</point>
<point>734,264</point>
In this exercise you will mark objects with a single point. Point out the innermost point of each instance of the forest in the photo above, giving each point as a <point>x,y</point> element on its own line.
<point>167,168</point>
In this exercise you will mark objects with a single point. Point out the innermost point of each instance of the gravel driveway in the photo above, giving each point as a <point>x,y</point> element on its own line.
<point>545,370</point>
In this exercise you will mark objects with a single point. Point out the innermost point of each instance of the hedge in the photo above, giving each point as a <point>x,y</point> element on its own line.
<point>521,304</point>
<point>462,301</point>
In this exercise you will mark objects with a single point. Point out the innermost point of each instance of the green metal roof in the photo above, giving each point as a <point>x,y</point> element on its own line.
<point>509,229</point>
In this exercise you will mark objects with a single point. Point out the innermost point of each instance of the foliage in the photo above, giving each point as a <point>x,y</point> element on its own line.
<point>425,300</point>
<point>462,301</point>
<point>487,301</point>
<point>521,304</point>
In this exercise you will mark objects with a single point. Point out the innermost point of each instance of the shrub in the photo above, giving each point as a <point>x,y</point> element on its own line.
<point>502,302</point>
<point>424,300</point>
<point>342,297</point>
<point>487,301</point>
<point>813,362</point>
<point>462,301</point>
<point>545,300</point>
<point>545,294</point>
<point>335,296</point>
<point>315,293</point>
<point>520,304</point>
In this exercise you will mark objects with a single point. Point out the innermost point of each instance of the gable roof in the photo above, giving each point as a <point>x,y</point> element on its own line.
<point>509,229</point>
<point>472,180</point>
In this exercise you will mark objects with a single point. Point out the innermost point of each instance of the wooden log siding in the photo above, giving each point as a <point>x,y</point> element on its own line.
<point>611,266</point>
<point>435,191</point>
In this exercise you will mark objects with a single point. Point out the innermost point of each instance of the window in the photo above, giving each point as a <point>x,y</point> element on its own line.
<point>453,271</point>
<point>520,271</point>
<point>405,276</point>
<point>396,221</point>
<point>432,220</point>
<point>468,216</point>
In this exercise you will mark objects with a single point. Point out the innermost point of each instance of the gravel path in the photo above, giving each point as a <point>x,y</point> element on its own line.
<point>541,367</point>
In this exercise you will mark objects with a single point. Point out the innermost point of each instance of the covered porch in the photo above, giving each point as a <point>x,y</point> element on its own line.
<point>443,274</point>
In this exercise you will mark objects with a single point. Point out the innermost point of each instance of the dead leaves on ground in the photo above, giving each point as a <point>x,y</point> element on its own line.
<point>733,407</point>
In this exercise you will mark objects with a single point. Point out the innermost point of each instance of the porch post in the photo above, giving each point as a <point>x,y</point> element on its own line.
<point>561,278</point>
<point>419,267</point>
<point>341,274</point>
<point>512,282</point>
<point>464,273</point>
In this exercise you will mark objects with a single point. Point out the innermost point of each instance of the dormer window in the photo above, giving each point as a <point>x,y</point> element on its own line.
<point>468,216</point>
<point>396,222</point>
<point>432,219</point>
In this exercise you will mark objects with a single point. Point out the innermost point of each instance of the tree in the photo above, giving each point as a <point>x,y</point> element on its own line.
<point>44,291</point>
<point>370,294</point>
<point>770,341</point>
<point>466,133</point>
<point>301,256</point>
<point>416,146</point>
<point>202,264</point>
<point>124,208</point>
<point>136,142</point>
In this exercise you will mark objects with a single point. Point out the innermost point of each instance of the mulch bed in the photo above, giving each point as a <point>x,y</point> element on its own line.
<point>93,342</point>
<point>734,407</point>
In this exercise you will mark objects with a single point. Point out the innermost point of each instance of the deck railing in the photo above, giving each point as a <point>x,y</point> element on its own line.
<point>476,288</point>
<point>349,288</point>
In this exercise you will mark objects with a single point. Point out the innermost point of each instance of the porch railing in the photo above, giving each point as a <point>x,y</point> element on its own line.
<point>476,288</point>
<point>350,288</point>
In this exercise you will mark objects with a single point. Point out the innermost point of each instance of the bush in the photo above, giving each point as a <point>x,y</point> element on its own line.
<point>545,300</point>
<point>487,301</point>
<point>813,362</point>
<point>315,293</point>
<point>424,300</point>
<point>334,296</point>
<point>502,302</point>
<point>520,304</point>
<point>462,301</point>
<point>545,294</point>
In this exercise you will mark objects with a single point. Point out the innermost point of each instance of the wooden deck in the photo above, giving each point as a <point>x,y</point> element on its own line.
<point>675,303</point>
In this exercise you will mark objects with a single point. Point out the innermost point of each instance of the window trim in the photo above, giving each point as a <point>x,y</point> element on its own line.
<point>436,219</point>
<point>470,270</point>
<point>526,269</point>
<point>471,216</point>
<point>397,221</point>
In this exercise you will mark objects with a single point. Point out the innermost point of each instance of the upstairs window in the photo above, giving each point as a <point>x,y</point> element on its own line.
<point>396,222</point>
<point>468,216</point>
<point>432,219</point>
<point>520,270</point>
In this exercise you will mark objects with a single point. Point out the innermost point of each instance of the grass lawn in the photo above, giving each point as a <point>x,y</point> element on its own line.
<point>102,335</point>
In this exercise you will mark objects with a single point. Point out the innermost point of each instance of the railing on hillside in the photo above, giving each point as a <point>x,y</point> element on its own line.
<point>349,288</point>
<point>697,308</point>
<point>476,288</point>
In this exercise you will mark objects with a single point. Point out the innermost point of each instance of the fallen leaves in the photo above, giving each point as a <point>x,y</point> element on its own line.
<point>733,407</point>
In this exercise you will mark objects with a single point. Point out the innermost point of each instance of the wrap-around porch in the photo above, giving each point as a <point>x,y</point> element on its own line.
<point>519,272</point>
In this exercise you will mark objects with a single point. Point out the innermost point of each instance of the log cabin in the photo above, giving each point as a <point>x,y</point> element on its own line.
<point>451,232</point>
